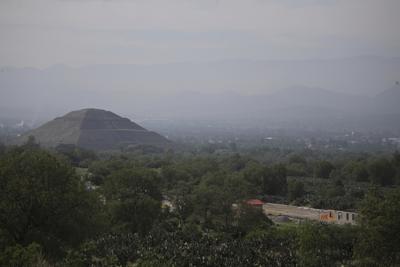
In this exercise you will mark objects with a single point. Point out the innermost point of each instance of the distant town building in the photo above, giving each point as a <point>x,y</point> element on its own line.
<point>305,213</point>
<point>255,202</point>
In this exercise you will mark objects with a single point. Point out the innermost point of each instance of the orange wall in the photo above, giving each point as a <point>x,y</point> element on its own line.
<point>327,217</point>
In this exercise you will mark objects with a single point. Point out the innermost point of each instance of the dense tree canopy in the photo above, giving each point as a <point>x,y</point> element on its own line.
<point>43,201</point>
<point>192,209</point>
<point>323,169</point>
<point>295,190</point>
<point>274,180</point>
<point>382,172</point>
<point>133,198</point>
<point>324,245</point>
<point>379,240</point>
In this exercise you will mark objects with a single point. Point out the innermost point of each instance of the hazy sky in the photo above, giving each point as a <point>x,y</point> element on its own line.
<point>40,33</point>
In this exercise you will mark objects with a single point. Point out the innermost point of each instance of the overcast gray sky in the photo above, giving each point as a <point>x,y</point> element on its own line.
<point>40,33</point>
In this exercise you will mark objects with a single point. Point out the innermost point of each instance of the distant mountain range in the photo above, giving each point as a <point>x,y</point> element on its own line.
<point>235,90</point>
<point>389,101</point>
<point>293,107</point>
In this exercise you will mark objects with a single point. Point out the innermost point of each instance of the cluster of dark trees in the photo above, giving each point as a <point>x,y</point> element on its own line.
<point>379,167</point>
<point>112,214</point>
<point>380,170</point>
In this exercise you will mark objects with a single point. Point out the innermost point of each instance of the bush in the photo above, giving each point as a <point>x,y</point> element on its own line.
<point>43,201</point>
<point>19,256</point>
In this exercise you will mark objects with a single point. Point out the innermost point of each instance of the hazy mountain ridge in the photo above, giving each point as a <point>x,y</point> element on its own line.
<point>207,90</point>
<point>389,100</point>
<point>296,106</point>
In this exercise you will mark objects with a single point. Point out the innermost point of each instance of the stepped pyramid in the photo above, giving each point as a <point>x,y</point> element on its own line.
<point>93,129</point>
